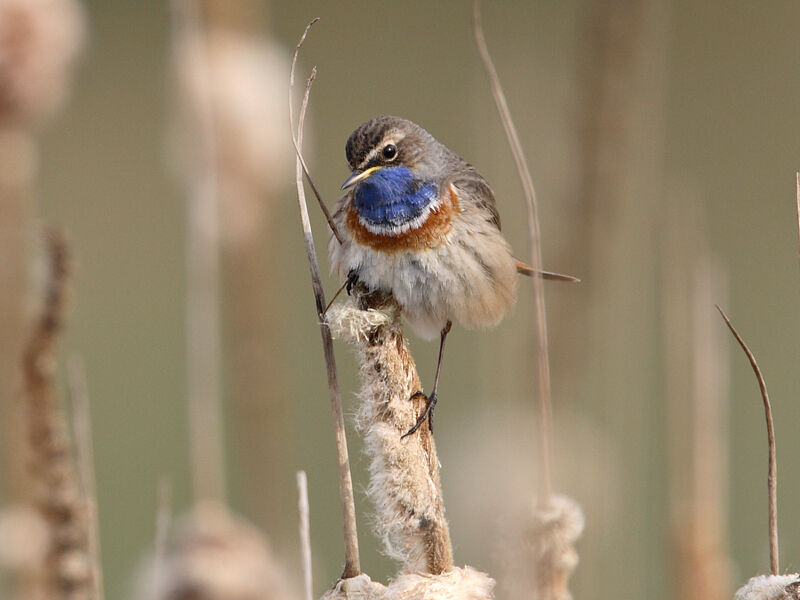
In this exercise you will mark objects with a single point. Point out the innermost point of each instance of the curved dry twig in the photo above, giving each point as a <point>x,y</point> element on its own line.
<point>772,477</point>
<point>540,320</point>
<point>297,139</point>
<point>352,566</point>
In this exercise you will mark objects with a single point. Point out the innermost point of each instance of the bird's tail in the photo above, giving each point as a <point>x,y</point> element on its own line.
<point>524,269</point>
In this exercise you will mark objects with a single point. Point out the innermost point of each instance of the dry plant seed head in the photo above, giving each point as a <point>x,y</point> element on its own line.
<point>404,472</point>
<point>360,587</point>
<point>214,555</point>
<point>39,43</point>
<point>457,584</point>
<point>242,80</point>
<point>554,529</point>
<point>68,567</point>
<point>770,587</point>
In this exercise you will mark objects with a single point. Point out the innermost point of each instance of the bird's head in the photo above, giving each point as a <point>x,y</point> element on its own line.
<point>386,142</point>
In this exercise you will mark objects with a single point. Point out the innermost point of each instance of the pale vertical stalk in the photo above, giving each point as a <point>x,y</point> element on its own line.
<point>352,566</point>
<point>84,452</point>
<point>202,284</point>
<point>163,518</point>
<point>534,241</point>
<point>305,534</point>
<point>17,154</point>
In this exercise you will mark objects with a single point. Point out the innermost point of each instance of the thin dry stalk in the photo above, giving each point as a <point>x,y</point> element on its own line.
<point>772,477</point>
<point>404,471</point>
<point>202,263</point>
<point>352,565</point>
<point>534,233</point>
<point>305,534</point>
<point>82,432</point>
<point>67,569</point>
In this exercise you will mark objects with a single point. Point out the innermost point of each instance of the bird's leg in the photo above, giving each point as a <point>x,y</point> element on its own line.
<point>352,280</point>
<point>431,398</point>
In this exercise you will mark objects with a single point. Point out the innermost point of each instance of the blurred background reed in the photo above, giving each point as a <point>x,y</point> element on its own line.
<point>663,137</point>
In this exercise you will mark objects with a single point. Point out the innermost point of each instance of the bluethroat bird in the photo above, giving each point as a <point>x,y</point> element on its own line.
<point>421,223</point>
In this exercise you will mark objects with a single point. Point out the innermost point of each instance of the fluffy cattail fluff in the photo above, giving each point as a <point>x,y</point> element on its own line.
<point>360,587</point>
<point>553,531</point>
<point>457,584</point>
<point>770,587</point>
<point>214,555</point>
<point>404,472</point>
<point>39,42</point>
<point>67,567</point>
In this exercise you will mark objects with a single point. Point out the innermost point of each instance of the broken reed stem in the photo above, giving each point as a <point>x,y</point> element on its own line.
<point>305,534</point>
<point>404,471</point>
<point>66,570</point>
<point>352,565</point>
<point>203,339</point>
<point>534,233</point>
<point>772,477</point>
<point>84,450</point>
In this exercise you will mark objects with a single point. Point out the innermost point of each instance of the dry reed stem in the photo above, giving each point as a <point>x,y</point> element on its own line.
<point>40,42</point>
<point>202,260</point>
<point>697,405</point>
<point>772,477</point>
<point>534,241</point>
<point>404,471</point>
<point>82,434</point>
<point>352,565</point>
<point>67,568</point>
<point>305,534</point>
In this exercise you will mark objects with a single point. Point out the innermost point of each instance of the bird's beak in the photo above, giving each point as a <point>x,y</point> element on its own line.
<point>358,175</point>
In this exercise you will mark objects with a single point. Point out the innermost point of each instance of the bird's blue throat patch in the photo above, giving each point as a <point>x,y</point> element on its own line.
<point>392,197</point>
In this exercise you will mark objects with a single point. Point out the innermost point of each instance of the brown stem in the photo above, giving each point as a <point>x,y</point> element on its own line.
<point>352,566</point>
<point>772,477</point>
<point>67,570</point>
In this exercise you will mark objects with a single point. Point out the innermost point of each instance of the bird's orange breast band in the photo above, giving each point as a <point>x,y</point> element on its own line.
<point>431,234</point>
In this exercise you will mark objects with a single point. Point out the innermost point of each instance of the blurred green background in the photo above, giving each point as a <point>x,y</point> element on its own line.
<point>654,129</point>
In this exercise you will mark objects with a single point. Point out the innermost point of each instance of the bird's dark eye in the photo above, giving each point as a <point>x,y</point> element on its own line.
<point>389,151</point>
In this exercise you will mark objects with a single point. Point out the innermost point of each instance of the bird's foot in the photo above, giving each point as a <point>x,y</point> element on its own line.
<point>352,281</point>
<point>426,415</point>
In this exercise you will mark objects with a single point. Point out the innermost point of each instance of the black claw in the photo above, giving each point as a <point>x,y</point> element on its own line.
<point>426,415</point>
<point>352,281</point>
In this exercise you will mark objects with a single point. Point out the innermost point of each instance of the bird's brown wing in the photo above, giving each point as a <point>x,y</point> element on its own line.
<point>476,189</point>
